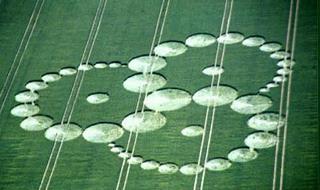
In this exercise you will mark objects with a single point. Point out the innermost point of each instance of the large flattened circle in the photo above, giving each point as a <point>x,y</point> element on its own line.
<point>168,99</point>
<point>145,64</point>
<point>25,110</point>
<point>103,133</point>
<point>261,140</point>
<point>36,123</point>
<point>242,155</point>
<point>251,104</point>
<point>63,132</point>
<point>215,96</point>
<point>170,49</point>
<point>144,122</point>
<point>142,82</point>
<point>26,96</point>
<point>200,40</point>
<point>266,121</point>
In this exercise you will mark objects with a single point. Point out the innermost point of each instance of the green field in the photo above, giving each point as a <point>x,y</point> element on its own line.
<point>126,32</point>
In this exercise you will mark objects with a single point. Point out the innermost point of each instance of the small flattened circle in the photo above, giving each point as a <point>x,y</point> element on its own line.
<point>213,70</point>
<point>200,40</point>
<point>270,47</point>
<point>145,64</point>
<point>100,65</point>
<point>150,165</point>
<point>51,77</point>
<point>167,99</point>
<point>192,131</point>
<point>114,64</point>
<point>36,85</point>
<point>242,155</point>
<point>85,67</point>
<point>36,123</point>
<point>191,169</point>
<point>169,49</point>
<point>266,121</point>
<point>26,96</point>
<point>230,38</point>
<point>67,71</point>
<point>280,55</point>
<point>251,104</point>
<point>143,82</point>
<point>103,133</point>
<point>98,98</point>
<point>217,96</point>
<point>253,41</point>
<point>261,140</point>
<point>25,110</point>
<point>117,149</point>
<point>134,160</point>
<point>286,63</point>
<point>63,132</point>
<point>168,168</point>
<point>218,164</point>
<point>144,122</point>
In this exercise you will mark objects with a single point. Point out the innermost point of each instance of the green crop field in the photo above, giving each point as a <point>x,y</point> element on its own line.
<point>126,31</point>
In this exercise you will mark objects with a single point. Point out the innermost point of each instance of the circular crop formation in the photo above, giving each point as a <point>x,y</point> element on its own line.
<point>162,99</point>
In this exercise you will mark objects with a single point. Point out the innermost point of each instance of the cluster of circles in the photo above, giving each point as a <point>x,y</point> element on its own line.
<point>168,99</point>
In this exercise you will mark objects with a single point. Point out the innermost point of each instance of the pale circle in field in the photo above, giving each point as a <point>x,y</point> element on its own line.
<point>253,41</point>
<point>124,154</point>
<point>150,165</point>
<point>270,47</point>
<point>217,96</point>
<point>100,65</point>
<point>218,164</point>
<point>283,71</point>
<point>261,140</point>
<point>144,64</point>
<point>51,77</point>
<point>144,122</point>
<point>103,133</point>
<point>230,38</point>
<point>168,168</point>
<point>280,55</point>
<point>266,121</point>
<point>134,160</point>
<point>36,123</point>
<point>25,110</point>
<point>286,63</point>
<point>191,169</point>
<point>279,79</point>
<point>272,85</point>
<point>63,132</point>
<point>251,104</point>
<point>142,82</point>
<point>117,149</point>
<point>169,49</point>
<point>264,90</point>
<point>67,71</point>
<point>192,131</point>
<point>242,155</point>
<point>112,144</point>
<point>85,67</point>
<point>98,98</point>
<point>200,40</point>
<point>114,64</point>
<point>26,96</point>
<point>36,85</point>
<point>168,99</point>
<point>213,70</point>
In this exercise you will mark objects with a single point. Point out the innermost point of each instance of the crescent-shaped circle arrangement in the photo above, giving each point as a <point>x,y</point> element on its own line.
<point>161,99</point>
